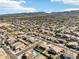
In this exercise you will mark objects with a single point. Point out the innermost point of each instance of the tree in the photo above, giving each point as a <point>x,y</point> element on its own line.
<point>62,57</point>
<point>77,57</point>
<point>23,56</point>
<point>49,57</point>
<point>7,43</point>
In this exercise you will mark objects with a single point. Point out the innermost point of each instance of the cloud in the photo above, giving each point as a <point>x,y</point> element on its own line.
<point>15,5</point>
<point>10,4</point>
<point>55,0</point>
<point>71,9</point>
<point>73,2</point>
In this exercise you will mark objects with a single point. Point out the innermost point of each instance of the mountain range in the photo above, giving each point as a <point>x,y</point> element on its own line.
<point>44,13</point>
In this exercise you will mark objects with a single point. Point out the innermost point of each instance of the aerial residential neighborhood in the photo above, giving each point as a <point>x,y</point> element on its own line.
<point>27,39</point>
<point>39,29</point>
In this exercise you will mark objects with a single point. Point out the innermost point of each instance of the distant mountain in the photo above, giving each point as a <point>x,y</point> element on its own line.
<point>26,14</point>
<point>67,13</point>
<point>43,13</point>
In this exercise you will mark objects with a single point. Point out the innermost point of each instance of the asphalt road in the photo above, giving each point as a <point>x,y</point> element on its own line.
<point>30,47</point>
<point>12,56</point>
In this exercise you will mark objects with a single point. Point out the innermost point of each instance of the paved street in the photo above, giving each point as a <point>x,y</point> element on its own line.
<point>29,47</point>
<point>12,56</point>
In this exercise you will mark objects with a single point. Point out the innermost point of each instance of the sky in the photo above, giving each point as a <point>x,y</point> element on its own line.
<point>27,6</point>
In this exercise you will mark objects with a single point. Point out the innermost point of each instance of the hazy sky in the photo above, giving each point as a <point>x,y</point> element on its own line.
<point>19,6</point>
